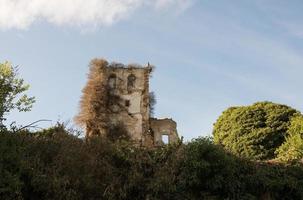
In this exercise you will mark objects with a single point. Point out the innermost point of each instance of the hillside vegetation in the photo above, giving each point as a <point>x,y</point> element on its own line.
<point>55,164</point>
<point>262,131</point>
<point>256,153</point>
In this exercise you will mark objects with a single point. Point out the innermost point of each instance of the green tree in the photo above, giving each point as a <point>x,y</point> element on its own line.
<point>292,148</point>
<point>254,131</point>
<point>12,92</point>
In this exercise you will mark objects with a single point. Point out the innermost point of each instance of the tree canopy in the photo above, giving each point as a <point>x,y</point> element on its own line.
<point>254,131</point>
<point>292,149</point>
<point>12,91</point>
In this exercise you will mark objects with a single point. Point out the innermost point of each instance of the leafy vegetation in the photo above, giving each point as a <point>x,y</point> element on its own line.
<point>254,131</point>
<point>12,92</point>
<point>55,164</point>
<point>292,149</point>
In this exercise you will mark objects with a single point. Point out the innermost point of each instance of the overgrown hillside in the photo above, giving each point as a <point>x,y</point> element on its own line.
<point>55,164</point>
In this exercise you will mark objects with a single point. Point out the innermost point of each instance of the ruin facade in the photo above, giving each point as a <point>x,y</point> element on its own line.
<point>126,101</point>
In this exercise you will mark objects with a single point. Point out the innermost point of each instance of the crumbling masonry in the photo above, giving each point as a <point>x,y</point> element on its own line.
<point>117,95</point>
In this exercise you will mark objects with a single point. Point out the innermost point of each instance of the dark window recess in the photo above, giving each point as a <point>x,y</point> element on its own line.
<point>127,103</point>
<point>131,81</point>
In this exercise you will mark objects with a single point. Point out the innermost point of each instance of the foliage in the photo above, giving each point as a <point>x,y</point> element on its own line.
<point>12,91</point>
<point>292,149</point>
<point>93,104</point>
<point>54,164</point>
<point>118,132</point>
<point>254,131</point>
<point>208,172</point>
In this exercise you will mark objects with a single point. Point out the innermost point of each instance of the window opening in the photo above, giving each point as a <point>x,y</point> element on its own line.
<point>131,81</point>
<point>165,139</point>
<point>127,103</point>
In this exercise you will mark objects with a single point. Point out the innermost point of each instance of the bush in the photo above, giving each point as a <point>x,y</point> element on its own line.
<point>55,164</point>
<point>208,172</point>
<point>254,131</point>
<point>292,149</point>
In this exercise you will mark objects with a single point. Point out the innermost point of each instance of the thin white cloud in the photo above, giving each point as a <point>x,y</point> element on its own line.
<point>20,14</point>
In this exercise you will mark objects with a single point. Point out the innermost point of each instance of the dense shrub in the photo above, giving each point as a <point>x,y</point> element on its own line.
<point>292,149</point>
<point>208,171</point>
<point>254,131</point>
<point>54,164</point>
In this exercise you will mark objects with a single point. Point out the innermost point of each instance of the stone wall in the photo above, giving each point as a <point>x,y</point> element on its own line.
<point>132,109</point>
<point>164,127</point>
<point>117,94</point>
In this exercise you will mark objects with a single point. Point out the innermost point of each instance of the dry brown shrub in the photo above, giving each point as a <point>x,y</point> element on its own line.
<point>93,103</point>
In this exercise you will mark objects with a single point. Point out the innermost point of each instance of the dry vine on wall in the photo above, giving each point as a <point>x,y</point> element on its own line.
<point>93,105</point>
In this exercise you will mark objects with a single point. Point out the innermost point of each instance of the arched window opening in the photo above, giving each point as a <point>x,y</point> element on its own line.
<point>112,81</point>
<point>131,81</point>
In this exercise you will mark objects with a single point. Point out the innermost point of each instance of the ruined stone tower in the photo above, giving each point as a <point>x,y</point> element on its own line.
<point>130,85</point>
<point>118,95</point>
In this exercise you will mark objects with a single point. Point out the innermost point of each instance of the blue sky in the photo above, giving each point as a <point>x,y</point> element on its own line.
<point>209,54</point>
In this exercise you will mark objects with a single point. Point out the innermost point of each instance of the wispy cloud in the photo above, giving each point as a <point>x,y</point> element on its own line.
<point>20,14</point>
